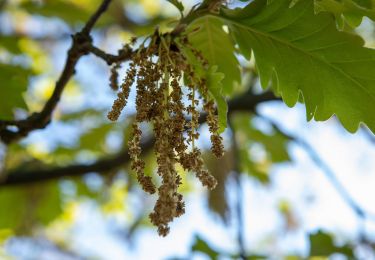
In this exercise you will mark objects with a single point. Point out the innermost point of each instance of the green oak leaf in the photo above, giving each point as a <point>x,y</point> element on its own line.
<point>13,82</point>
<point>207,35</point>
<point>303,53</point>
<point>352,10</point>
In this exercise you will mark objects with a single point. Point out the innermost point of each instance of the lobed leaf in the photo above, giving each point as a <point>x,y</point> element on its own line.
<point>304,54</point>
<point>352,10</point>
<point>207,35</point>
<point>214,83</point>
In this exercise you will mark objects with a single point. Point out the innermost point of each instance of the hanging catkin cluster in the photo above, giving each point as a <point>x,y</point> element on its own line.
<point>157,71</point>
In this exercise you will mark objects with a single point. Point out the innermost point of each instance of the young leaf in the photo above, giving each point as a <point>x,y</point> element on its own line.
<point>352,10</point>
<point>304,53</point>
<point>214,80</point>
<point>207,35</point>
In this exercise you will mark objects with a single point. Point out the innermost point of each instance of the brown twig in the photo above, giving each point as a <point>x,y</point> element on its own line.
<point>81,43</point>
<point>239,195</point>
<point>100,166</point>
<point>123,54</point>
<point>95,17</point>
<point>247,102</point>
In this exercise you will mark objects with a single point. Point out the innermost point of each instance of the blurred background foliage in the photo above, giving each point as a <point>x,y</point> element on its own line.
<point>34,38</point>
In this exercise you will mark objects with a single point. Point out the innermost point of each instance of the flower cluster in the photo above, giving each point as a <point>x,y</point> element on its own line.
<point>158,70</point>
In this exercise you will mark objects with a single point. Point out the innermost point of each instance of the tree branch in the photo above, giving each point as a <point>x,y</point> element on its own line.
<point>80,47</point>
<point>100,166</point>
<point>123,54</point>
<point>239,195</point>
<point>246,102</point>
<point>95,17</point>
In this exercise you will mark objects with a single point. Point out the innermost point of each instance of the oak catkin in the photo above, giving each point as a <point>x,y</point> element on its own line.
<point>157,71</point>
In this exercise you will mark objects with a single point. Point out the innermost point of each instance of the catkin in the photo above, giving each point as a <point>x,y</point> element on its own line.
<point>157,71</point>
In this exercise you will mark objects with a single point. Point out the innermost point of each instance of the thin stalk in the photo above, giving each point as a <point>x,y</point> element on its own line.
<point>239,196</point>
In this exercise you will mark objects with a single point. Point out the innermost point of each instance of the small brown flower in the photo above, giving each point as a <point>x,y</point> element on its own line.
<point>113,79</point>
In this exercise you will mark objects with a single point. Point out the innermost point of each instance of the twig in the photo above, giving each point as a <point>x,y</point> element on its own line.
<point>80,47</point>
<point>247,102</point>
<point>124,54</point>
<point>239,196</point>
<point>95,17</point>
<point>100,166</point>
